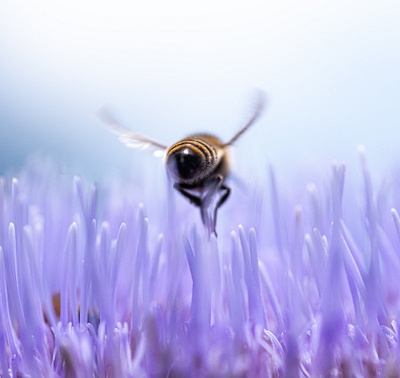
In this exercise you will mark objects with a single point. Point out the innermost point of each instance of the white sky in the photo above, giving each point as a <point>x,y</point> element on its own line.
<point>171,68</point>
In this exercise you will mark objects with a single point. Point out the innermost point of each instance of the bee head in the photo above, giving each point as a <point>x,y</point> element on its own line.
<point>186,163</point>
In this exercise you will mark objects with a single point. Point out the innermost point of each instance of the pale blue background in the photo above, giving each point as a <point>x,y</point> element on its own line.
<point>170,68</point>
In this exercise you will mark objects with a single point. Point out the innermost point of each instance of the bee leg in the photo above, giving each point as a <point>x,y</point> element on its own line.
<point>221,201</point>
<point>213,186</point>
<point>195,200</point>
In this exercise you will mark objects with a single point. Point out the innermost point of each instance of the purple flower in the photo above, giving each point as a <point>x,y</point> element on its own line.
<point>308,286</point>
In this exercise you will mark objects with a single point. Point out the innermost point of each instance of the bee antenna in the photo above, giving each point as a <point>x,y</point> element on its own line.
<point>261,103</point>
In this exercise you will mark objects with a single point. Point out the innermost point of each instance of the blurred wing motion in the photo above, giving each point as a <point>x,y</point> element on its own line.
<point>128,137</point>
<point>257,113</point>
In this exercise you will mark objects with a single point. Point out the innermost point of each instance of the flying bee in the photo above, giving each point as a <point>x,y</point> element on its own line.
<point>198,164</point>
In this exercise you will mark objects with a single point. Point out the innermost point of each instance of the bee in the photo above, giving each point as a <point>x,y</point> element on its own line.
<point>198,164</point>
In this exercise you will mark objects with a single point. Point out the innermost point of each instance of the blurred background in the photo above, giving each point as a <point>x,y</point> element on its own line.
<point>170,68</point>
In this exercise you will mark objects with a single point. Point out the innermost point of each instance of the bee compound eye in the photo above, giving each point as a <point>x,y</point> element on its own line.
<point>185,163</point>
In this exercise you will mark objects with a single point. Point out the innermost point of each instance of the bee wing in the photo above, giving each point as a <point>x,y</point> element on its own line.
<point>128,137</point>
<point>257,113</point>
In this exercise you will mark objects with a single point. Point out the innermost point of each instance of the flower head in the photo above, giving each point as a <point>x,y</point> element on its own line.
<point>306,287</point>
